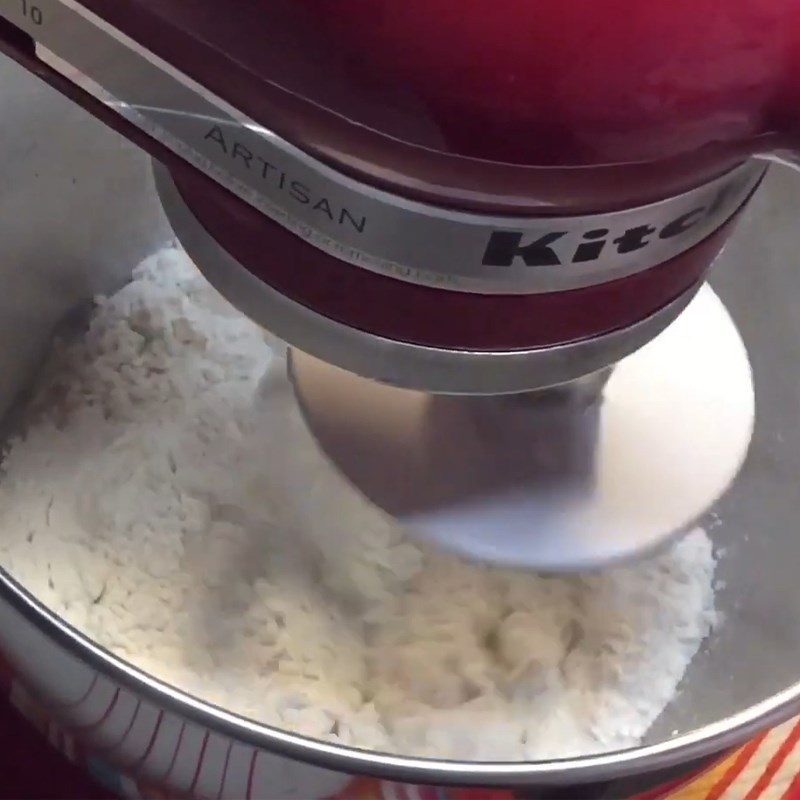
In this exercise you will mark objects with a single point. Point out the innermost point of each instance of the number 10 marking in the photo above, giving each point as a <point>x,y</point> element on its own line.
<point>34,13</point>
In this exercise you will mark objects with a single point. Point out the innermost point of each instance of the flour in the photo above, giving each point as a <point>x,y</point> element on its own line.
<point>167,500</point>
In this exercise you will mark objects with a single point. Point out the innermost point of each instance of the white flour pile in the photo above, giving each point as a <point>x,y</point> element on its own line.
<point>167,501</point>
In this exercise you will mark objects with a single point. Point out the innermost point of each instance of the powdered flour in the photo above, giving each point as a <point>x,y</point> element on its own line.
<point>168,501</point>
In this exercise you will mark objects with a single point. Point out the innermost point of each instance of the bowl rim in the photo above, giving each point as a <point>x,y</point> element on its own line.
<point>697,744</point>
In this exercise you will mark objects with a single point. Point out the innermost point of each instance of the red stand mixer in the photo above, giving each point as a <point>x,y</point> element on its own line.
<point>448,209</point>
<point>483,231</point>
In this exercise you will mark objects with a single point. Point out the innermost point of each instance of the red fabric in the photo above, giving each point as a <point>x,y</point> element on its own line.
<point>30,769</point>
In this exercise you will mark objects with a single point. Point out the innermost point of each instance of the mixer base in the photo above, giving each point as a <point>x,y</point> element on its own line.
<point>575,477</point>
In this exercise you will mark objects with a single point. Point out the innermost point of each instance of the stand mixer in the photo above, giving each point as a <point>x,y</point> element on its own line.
<point>461,222</point>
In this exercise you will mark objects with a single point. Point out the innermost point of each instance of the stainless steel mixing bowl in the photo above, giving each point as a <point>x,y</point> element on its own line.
<point>78,210</point>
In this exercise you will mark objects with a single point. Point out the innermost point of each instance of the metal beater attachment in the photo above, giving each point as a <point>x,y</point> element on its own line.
<point>574,477</point>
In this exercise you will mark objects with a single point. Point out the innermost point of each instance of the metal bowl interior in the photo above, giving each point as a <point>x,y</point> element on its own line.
<point>64,240</point>
<point>752,658</point>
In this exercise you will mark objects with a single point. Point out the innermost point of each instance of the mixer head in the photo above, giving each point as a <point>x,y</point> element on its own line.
<point>462,327</point>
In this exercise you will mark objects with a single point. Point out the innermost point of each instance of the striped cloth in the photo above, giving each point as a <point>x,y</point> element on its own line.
<point>768,768</point>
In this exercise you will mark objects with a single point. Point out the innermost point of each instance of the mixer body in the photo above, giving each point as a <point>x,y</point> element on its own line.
<point>487,216</point>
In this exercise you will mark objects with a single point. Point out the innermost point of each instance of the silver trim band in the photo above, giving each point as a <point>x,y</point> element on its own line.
<point>402,364</point>
<point>352,221</point>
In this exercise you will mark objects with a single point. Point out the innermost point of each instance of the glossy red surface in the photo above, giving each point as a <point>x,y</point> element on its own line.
<point>544,105</point>
<point>555,82</point>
